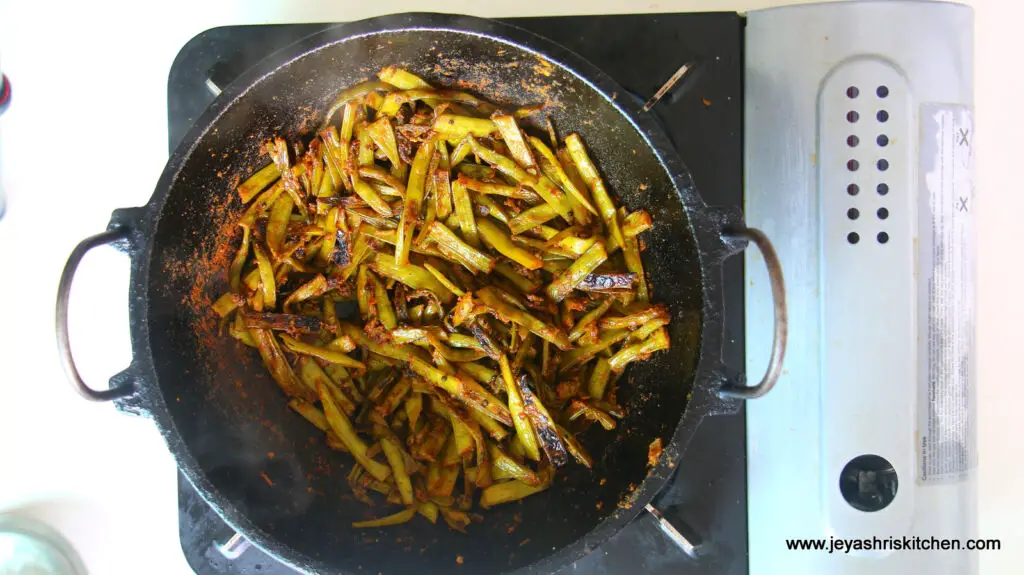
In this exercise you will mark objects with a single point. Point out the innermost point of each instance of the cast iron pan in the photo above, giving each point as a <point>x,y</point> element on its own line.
<point>227,423</point>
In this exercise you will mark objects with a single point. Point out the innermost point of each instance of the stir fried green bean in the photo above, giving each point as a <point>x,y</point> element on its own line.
<point>500,294</point>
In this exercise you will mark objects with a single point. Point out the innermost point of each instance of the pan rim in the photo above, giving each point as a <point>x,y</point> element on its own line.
<point>529,42</point>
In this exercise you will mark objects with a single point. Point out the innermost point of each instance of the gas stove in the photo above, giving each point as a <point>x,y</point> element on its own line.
<point>844,132</point>
<point>706,500</point>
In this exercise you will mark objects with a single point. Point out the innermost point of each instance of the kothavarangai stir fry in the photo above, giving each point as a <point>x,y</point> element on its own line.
<point>500,293</point>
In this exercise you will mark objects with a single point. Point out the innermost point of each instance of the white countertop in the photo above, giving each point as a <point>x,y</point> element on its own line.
<point>86,133</point>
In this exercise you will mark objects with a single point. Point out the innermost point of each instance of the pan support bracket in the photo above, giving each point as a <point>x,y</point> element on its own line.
<point>688,542</point>
<point>234,547</point>
<point>219,76</point>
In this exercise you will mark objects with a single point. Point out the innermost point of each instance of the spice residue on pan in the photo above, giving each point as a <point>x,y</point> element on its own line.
<point>309,119</point>
<point>494,83</point>
<point>653,452</point>
<point>200,268</point>
<point>629,500</point>
<point>543,67</point>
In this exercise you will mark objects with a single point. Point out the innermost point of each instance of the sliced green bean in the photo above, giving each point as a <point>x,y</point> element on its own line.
<point>522,281</point>
<point>258,182</point>
<point>598,381</point>
<point>491,299</point>
<point>502,463</point>
<point>357,91</point>
<point>631,253</point>
<point>235,271</point>
<point>411,275</point>
<point>497,239</point>
<point>277,225</point>
<point>540,184</point>
<point>532,218</point>
<point>365,155</point>
<point>584,353</point>
<point>516,142</point>
<point>268,285</point>
<point>343,429</point>
<point>325,354</point>
<point>485,207</point>
<point>563,285</point>
<point>385,312</point>
<point>465,389</point>
<point>589,173</point>
<point>413,201</point>
<point>508,491</point>
<point>442,192</point>
<point>464,213</point>
<point>562,178</point>
<point>396,459</point>
<point>636,319</point>
<point>313,375</point>
<point>656,342</point>
<point>310,413</point>
<point>378,174</point>
<point>574,447</point>
<point>279,367</point>
<point>455,128</point>
<point>524,431</point>
<point>505,190</point>
<point>444,280</point>
<point>478,261</point>
<point>383,136</point>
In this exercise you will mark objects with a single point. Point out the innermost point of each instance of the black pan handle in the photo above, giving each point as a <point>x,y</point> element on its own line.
<point>778,353</point>
<point>63,341</point>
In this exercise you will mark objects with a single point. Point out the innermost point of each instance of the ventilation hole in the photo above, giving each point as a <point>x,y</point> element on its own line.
<point>883,237</point>
<point>882,91</point>
<point>883,165</point>
<point>852,141</point>
<point>882,116</point>
<point>883,189</point>
<point>883,213</point>
<point>853,237</point>
<point>853,165</point>
<point>852,116</point>
<point>853,189</point>
<point>882,140</point>
<point>853,213</point>
<point>852,92</point>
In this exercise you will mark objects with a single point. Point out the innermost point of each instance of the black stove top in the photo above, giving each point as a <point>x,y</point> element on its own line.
<point>703,116</point>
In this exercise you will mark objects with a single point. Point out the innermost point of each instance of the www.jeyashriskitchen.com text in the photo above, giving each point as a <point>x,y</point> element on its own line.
<point>841,545</point>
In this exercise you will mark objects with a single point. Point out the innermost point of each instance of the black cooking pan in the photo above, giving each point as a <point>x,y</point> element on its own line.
<point>266,471</point>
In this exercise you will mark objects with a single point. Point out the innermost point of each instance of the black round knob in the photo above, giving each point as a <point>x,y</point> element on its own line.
<point>868,483</point>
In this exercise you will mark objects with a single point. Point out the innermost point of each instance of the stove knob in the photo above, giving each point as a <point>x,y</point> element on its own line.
<point>868,483</point>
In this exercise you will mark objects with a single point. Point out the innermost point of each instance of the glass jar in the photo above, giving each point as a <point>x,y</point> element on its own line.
<point>28,547</point>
